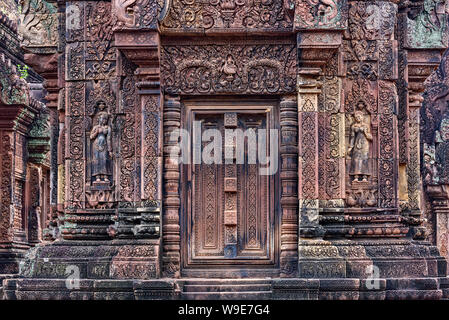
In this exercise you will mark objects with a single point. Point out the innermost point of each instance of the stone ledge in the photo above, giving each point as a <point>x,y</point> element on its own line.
<point>281,289</point>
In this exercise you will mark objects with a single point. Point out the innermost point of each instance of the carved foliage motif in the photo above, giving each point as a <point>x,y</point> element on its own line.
<point>235,14</point>
<point>151,122</point>
<point>329,138</point>
<point>371,21</point>
<point>387,147</point>
<point>6,189</point>
<point>90,54</point>
<point>128,163</point>
<point>229,68</point>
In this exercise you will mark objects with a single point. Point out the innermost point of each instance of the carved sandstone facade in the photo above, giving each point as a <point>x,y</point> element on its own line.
<point>359,193</point>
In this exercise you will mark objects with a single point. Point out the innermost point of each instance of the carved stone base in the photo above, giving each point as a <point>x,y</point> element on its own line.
<point>10,257</point>
<point>50,289</point>
<point>228,289</point>
<point>344,269</point>
<point>117,259</point>
<point>357,259</point>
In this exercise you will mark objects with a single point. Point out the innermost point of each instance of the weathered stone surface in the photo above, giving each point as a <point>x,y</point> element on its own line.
<point>98,199</point>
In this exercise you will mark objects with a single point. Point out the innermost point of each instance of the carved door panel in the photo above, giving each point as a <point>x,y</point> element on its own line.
<point>231,207</point>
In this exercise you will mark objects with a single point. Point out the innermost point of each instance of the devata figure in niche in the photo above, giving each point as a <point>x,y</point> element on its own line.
<point>101,147</point>
<point>359,145</point>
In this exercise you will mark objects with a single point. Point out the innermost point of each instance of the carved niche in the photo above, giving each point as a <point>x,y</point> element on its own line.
<point>360,116</point>
<point>99,147</point>
<point>226,68</point>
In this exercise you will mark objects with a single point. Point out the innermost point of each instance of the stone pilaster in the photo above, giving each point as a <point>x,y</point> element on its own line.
<point>308,91</point>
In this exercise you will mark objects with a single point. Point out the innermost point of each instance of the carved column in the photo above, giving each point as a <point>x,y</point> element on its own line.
<point>289,185</point>
<point>170,222</point>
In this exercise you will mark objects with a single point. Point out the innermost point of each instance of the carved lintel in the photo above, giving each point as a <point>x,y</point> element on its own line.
<point>229,15</point>
<point>421,64</point>
<point>250,68</point>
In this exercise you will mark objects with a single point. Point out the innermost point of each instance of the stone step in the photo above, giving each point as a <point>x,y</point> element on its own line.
<point>241,295</point>
<point>227,287</point>
<point>217,282</point>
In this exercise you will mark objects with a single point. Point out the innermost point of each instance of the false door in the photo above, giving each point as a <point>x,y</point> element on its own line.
<point>231,218</point>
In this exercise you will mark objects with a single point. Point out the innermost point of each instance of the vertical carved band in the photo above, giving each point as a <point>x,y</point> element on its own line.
<point>230,189</point>
<point>308,92</point>
<point>151,155</point>
<point>5,176</point>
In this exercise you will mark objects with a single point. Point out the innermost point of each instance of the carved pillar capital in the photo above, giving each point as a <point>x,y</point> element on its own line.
<point>143,49</point>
